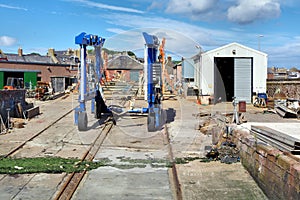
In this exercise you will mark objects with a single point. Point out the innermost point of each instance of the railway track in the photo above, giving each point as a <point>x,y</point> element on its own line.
<point>175,179</point>
<point>74,179</point>
<point>16,149</point>
<point>70,182</point>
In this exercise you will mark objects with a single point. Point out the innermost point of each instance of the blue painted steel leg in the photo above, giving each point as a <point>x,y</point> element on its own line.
<point>93,105</point>
<point>153,86</point>
<point>84,40</point>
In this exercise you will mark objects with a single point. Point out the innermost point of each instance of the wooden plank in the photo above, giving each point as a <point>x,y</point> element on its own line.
<point>32,112</point>
<point>276,135</point>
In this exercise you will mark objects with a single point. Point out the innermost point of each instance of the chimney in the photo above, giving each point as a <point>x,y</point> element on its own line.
<point>52,55</point>
<point>50,52</point>
<point>20,51</point>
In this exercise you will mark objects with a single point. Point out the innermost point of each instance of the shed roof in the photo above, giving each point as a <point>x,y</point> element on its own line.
<point>30,58</point>
<point>124,62</point>
<point>237,45</point>
<point>18,70</point>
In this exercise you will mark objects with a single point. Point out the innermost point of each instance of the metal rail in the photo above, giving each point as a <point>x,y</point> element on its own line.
<point>74,179</point>
<point>177,185</point>
<point>34,136</point>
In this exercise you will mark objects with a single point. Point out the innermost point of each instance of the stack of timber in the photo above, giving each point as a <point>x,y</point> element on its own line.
<point>277,139</point>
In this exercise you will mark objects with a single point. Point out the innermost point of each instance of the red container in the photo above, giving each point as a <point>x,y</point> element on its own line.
<point>242,106</point>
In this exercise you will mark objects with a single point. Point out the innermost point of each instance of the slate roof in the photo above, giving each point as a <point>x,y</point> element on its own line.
<point>124,62</point>
<point>30,58</point>
<point>65,57</point>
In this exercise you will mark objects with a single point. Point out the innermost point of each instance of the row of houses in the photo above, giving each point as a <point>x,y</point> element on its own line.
<point>61,67</point>
<point>283,73</point>
<point>229,71</point>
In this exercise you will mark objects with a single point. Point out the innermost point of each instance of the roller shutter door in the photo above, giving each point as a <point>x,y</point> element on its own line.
<point>242,79</point>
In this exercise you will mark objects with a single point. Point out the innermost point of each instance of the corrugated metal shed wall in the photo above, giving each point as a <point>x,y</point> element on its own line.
<point>242,79</point>
<point>188,68</point>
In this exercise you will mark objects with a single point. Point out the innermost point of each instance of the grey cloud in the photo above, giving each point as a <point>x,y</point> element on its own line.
<point>248,11</point>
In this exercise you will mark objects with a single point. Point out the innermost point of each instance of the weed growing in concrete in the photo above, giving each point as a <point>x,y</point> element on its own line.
<point>45,165</point>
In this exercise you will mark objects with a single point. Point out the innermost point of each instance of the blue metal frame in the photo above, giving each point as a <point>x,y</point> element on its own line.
<point>154,107</point>
<point>85,40</point>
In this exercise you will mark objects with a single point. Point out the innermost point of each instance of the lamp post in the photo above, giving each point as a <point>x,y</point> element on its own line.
<point>198,74</point>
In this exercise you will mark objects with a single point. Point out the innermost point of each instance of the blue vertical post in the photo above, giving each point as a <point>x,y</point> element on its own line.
<point>83,77</point>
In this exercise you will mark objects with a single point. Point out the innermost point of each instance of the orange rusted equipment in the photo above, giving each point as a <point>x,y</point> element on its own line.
<point>161,58</point>
<point>13,83</point>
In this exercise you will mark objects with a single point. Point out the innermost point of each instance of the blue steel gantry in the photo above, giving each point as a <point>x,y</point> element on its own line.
<point>89,80</point>
<point>153,79</point>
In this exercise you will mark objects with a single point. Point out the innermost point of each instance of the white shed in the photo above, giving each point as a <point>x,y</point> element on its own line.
<point>232,70</point>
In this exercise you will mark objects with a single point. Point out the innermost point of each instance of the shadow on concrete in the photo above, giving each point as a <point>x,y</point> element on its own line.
<point>99,122</point>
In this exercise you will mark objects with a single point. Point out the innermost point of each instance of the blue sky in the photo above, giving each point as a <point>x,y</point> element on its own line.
<point>269,25</point>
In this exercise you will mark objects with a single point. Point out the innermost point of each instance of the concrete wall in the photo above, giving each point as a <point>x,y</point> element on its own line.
<point>289,87</point>
<point>10,99</point>
<point>277,174</point>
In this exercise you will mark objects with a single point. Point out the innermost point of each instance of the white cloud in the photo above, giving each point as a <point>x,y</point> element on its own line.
<point>181,37</point>
<point>7,41</point>
<point>106,6</point>
<point>156,5</point>
<point>190,6</point>
<point>115,30</point>
<point>12,7</point>
<point>248,11</point>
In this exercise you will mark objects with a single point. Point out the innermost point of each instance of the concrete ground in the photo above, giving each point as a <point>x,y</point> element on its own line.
<point>137,156</point>
<point>130,148</point>
<point>199,180</point>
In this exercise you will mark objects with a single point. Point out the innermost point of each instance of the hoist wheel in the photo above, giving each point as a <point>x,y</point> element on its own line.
<point>82,121</point>
<point>151,122</point>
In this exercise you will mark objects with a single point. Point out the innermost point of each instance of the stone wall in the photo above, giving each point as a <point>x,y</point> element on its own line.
<point>277,174</point>
<point>289,87</point>
<point>10,99</point>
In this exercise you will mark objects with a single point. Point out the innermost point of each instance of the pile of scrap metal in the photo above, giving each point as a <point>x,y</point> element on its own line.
<point>218,125</point>
<point>43,91</point>
<point>288,108</point>
<point>224,150</point>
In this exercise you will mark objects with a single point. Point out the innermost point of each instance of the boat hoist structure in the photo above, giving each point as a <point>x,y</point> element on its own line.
<point>89,79</point>
<point>90,82</point>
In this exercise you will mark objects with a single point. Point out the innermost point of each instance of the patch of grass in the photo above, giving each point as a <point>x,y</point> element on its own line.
<point>185,160</point>
<point>155,163</point>
<point>127,166</point>
<point>145,161</point>
<point>45,165</point>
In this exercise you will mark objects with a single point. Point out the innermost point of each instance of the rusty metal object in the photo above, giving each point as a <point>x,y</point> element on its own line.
<point>32,112</point>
